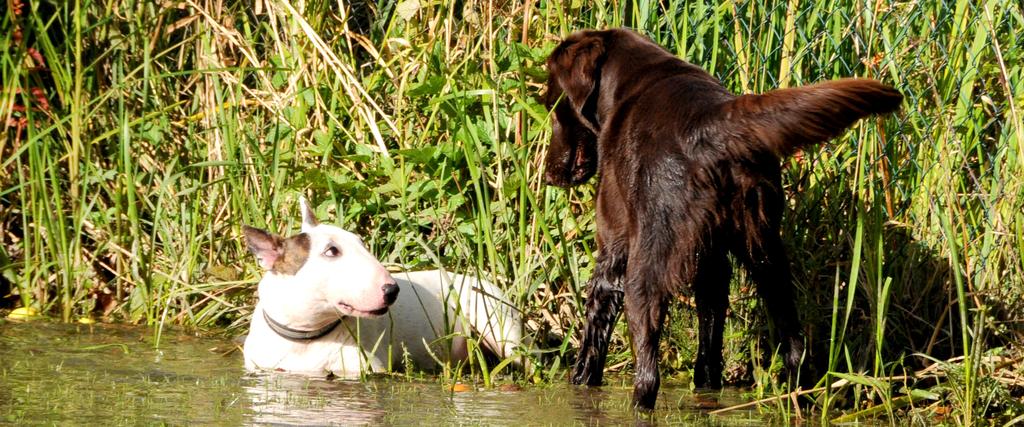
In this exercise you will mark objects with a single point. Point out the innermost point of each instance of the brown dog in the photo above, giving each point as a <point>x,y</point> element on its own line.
<point>689,174</point>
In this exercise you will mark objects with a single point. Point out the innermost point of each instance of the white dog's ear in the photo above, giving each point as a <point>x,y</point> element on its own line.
<point>308,217</point>
<point>267,247</point>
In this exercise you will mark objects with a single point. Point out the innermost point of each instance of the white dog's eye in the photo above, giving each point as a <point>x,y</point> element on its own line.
<point>332,251</point>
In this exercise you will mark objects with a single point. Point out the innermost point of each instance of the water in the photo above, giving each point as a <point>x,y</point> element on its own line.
<point>113,374</point>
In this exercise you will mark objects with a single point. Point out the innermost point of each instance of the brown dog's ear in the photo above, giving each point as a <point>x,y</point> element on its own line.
<point>576,67</point>
<point>572,154</point>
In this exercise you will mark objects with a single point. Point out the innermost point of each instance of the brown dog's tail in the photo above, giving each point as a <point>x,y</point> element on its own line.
<point>788,119</point>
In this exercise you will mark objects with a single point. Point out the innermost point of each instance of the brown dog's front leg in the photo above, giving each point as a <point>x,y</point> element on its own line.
<point>603,307</point>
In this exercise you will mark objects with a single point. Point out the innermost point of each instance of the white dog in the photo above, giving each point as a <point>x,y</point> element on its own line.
<point>328,306</point>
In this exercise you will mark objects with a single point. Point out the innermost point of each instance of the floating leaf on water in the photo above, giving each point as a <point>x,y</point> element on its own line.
<point>510,387</point>
<point>23,313</point>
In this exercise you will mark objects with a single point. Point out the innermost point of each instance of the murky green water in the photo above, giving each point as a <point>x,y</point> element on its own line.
<point>112,374</point>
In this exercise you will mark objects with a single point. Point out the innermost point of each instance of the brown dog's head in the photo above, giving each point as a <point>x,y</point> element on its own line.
<point>585,75</point>
<point>574,69</point>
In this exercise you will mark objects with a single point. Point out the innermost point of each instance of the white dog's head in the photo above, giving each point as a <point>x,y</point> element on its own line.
<point>321,272</point>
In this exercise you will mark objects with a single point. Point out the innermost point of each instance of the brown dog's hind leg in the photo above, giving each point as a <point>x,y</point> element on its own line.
<point>711,295</point>
<point>603,306</point>
<point>647,290</point>
<point>769,268</point>
<point>646,306</point>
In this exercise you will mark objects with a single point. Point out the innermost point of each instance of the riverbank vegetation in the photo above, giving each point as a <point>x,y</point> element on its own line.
<point>139,136</point>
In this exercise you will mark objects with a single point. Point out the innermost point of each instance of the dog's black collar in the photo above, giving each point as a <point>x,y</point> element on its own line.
<point>296,334</point>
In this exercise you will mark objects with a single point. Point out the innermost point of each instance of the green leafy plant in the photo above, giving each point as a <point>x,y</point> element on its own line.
<point>139,137</point>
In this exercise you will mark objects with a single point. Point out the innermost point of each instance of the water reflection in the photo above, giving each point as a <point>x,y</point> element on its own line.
<point>114,374</point>
<point>286,399</point>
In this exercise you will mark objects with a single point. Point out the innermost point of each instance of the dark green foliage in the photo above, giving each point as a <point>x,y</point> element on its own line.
<point>140,136</point>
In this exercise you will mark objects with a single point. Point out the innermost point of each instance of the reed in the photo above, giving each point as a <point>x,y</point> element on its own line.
<point>139,137</point>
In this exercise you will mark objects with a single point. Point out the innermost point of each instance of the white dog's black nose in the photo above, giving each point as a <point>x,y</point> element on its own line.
<point>390,292</point>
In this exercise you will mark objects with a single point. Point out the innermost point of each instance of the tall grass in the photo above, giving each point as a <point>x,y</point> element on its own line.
<point>139,137</point>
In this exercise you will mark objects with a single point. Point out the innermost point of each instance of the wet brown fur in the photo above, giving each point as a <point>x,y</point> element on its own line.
<point>689,173</point>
